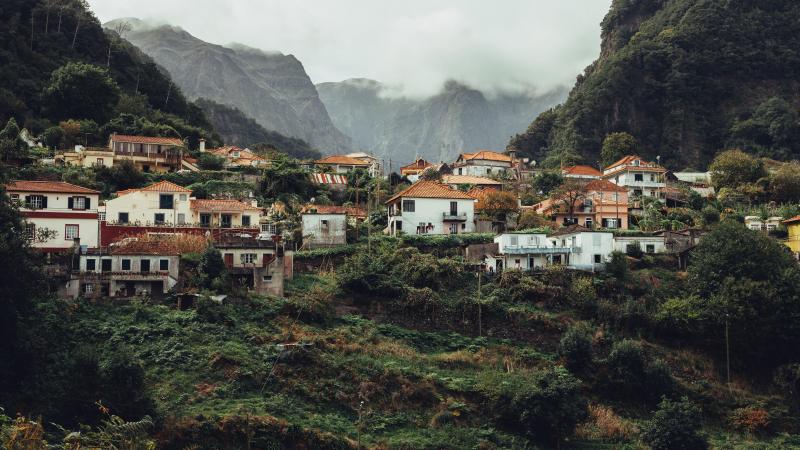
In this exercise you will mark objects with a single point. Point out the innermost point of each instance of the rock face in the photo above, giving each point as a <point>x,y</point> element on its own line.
<point>272,88</point>
<point>458,119</point>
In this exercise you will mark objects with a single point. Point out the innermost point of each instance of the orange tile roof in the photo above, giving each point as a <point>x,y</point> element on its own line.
<point>334,209</point>
<point>487,155</point>
<point>581,170</point>
<point>431,189</point>
<point>416,165</point>
<point>340,159</point>
<point>792,220</point>
<point>161,186</point>
<point>222,205</point>
<point>469,179</point>
<point>48,186</point>
<point>244,153</point>
<point>146,140</point>
<point>627,160</point>
<point>603,186</point>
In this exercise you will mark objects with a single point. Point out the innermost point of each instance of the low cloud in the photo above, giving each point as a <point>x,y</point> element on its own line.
<point>506,45</point>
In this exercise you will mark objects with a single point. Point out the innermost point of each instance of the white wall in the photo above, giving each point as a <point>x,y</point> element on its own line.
<point>142,206</point>
<point>48,218</point>
<point>621,243</point>
<point>652,181</point>
<point>483,168</point>
<point>585,246</point>
<point>315,236</point>
<point>431,210</point>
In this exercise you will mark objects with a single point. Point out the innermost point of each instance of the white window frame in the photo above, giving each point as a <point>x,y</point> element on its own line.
<point>68,235</point>
<point>248,258</point>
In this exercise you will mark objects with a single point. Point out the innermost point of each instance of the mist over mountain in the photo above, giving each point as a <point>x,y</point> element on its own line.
<point>270,87</point>
<point>438,128</point>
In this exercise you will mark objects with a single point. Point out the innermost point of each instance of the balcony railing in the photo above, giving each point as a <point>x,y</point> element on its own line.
<point>139,223</point>
<point>454,216</point>
<point>539,250</point>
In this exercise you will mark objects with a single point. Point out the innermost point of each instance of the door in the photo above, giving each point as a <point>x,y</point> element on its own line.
<point>225,221</point>
<point>228,259</point>
<point>453,208</point>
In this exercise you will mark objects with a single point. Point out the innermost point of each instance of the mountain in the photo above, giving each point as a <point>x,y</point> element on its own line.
<point>236,128</point>
<point>687,78</point>
<point>438,128</point>
<point>272,88</point>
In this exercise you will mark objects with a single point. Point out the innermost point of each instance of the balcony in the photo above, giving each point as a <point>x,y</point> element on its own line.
<point>454,217</point>
<point>540,250</point>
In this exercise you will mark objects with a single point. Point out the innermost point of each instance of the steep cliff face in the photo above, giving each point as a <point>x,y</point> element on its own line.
<point>687,78</point>
<point>272,88</point>
<point>438,128</point>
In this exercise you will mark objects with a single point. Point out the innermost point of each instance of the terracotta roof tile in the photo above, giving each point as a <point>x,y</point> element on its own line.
<point>146,140</point>
<point>431,189</point>
<point>341,159</point>
<point>416,165</point>
<point>628,160</point>
<point>469,179</point>
<point>603,186</point>
<point>792,220</point>
<point>161,186</point>
<point>487,155</point>
<point>48,186</point>
<point>222,205</point>
<point>581,170</point>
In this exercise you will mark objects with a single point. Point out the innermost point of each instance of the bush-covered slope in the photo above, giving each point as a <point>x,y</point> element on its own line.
<point>686,78</point>
<point>37,37</point>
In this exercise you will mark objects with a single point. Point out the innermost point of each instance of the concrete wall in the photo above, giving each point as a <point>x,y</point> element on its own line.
<point>142,206</point>
<point>431,211</point>
<point>657,243</point>
<point>317,234</point>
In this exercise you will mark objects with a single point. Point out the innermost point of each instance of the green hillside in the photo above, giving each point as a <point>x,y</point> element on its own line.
<point>686,78</point>
<point>37,37</point>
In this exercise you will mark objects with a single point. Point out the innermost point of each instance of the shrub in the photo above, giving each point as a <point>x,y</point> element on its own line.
<point>750,419</point>
<point>583,295</point>
<point>576,347</point>
<point>675,425</point>
<point>546,408</point>
<point>630,373</point>
<point>710,215</point>
<point>605,424</point>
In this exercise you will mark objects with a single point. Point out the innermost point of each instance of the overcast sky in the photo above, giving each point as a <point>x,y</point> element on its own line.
<point>500,44</point>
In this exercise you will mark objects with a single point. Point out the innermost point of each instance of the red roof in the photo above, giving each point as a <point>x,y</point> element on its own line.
<point>603,186</point>
<point>222,205</point>
<point>486,155</point>
<point>628,161</point>
<point>161,186</point>
<point>340,159</point>
<point>48,186</point>
<point>334,209</point>
<point>431,189</point>
<point>416,165</point>
<point>581,170</point>
<point>792,220</point>
<point>146,140</point>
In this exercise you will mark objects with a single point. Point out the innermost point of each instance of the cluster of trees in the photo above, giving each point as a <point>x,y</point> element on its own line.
<point>740,177</point>
<point>691,82</point>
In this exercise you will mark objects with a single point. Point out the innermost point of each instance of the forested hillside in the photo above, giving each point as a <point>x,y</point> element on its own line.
<point>686,78</point>
<point>238,129</point>
<point>113,88</point>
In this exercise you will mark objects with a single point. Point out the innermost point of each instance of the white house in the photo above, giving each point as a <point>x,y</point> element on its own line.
<point>149,154</point>
<point>648,244</point>
<point>326,225</point>
<point>640,177</point>
<point>236,157</point>
<point>260,264</point>
<point>342,164</point>
<point>589,250</point>
<point>125,274</point>
<point>68,212</point>
<point>756,223</point>
<point>525,251</point>
<point>162,203</point>
<point>484,163</point>
<point>428,207</point>
<point>165,203</point>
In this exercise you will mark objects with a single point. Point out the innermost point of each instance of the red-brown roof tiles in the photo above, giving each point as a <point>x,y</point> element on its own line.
<point>48,186</point>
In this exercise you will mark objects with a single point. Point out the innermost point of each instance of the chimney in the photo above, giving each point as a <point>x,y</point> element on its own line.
<point>202,145</point>
<point>254,203</point>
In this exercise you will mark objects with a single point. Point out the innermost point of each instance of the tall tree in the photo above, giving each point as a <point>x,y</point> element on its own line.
<point>617,145</point>
<point>80,91</point>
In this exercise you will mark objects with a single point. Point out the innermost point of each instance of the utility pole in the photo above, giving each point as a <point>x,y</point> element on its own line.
<point>480,307</point>
<point>727,351</point>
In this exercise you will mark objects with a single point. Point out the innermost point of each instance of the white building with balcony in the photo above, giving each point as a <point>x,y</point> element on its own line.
<point>483,163</point>
<point>124,274</point>
<point>162,203</point>
<point>589,250</point>
<point>574,246</point>
<point>68,213</point>
<point>641,178</point>
<point>428,207</point>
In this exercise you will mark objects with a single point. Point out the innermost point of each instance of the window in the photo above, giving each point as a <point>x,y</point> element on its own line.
<point>460,171</point>
<point>225,221</point>
<point>398,225</point>
<point>245,221</point>
<point>144,265</point>
<point>463,226</point>
<point>589,222</point>
<point>514,241</point>
<point>101,216</point>
<point>205,219</point>
<point>78,203</point>
<point>122,217</point>
<point>533,240</point>
<point>14,198</point>
<point>126,264</point>
<point>267,278</point>
<point>269,228</point>
<point>248,258</point>
<point>158,218</point>
<point>88,288</point>
<point>650,248</point>
<point>453,208</point>
<point>587,202</point>
<point>454,228</point>
<point>91,265</point>
<point>105,265</point>
<point>100,162</point>
<point>488,171</point>
<point>71,232</point>
<point>638,177</point>
<point>652,177</point>
<point>598,259</point>
<point>408,205</point>
<point>163,265</point>
<point>182,197</point>
<point>518,263</point>
<point>181,218</point>
<point>30,232</point>
<point>166,201</point>
<point>323,224</point>
<point>35,202</point>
